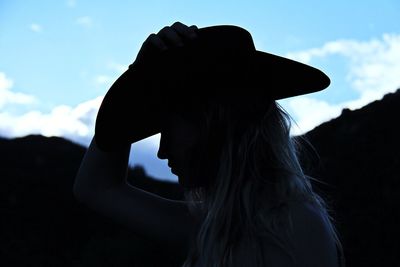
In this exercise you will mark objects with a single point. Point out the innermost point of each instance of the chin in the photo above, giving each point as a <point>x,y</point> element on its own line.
<point>182,182</point>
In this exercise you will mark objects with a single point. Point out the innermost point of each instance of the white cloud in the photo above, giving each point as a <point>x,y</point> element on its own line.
<point>9,97</point>
<point>36,27</point>
<point>310,113</point>
<point>120,68</point>
<point>374,68</point>
<point>103,80</point>
<point>71,3</point>
<point>5,83</point>
<point>75,123</point>
<point>85,21</point>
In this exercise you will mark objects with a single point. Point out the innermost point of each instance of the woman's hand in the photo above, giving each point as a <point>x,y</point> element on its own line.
<point>175,35</point>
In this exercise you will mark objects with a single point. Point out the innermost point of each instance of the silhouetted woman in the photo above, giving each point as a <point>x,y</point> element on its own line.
<point>212,96</point>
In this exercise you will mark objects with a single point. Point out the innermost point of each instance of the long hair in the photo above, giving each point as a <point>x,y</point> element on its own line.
<point>252,171</point>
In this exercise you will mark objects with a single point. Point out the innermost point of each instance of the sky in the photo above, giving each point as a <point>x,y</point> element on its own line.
<point>59,58</point>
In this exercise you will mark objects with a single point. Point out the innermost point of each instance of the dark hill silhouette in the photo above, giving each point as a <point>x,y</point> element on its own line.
<point>42,224</point>
<point>360,160</point>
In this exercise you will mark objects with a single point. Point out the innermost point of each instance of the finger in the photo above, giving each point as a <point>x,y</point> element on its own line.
<point>185,31</point>
<point>150,47</point>
<point>170,36</point>
<point>194,28</point>
<point>155,41</point>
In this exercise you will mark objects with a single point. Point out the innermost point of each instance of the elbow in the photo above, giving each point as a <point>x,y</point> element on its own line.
<point>76,193</point>
<point>79,194</point>
<point>86,193</point>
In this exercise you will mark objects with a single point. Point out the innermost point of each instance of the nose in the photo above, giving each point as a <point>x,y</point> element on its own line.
<point>162,153</point>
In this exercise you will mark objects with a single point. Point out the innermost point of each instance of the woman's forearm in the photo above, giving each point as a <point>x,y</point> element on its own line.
<point>100,170</point>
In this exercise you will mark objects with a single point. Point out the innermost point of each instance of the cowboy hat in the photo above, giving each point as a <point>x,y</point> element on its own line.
<point>221,63</point>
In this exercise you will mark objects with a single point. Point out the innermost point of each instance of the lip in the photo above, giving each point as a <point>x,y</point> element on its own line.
<point>172,167</point>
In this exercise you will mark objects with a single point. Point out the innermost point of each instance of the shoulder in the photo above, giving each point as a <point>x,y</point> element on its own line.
<point>313,241</point>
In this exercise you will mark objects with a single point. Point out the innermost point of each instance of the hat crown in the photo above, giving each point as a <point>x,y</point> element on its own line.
<point>226,39</point>
<point>216,47</point>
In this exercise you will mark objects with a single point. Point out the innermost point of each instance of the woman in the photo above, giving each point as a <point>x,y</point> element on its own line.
<point>212,96</point>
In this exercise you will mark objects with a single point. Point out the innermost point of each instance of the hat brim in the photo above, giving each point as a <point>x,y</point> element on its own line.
<point>282,77</point>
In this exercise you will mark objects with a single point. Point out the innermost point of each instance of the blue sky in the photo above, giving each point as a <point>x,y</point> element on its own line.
<point>58,58</point>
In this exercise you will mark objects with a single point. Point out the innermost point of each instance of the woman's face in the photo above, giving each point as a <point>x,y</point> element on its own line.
<point>179,136</point>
